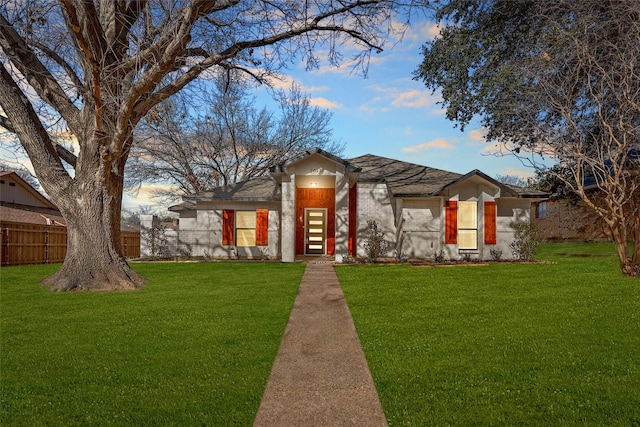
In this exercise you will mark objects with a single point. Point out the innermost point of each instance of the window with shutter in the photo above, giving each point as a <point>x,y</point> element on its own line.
<point>468,225</point>
<point>245,228</point>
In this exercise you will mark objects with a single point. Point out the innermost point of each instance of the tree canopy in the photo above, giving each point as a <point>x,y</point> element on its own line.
<point>215,135</point>
<point>556,79</point>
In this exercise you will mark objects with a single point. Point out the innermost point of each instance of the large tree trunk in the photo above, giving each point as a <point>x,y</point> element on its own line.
<point>94,259</point>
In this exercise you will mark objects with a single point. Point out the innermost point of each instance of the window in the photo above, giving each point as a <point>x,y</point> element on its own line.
<point>245,228</point>
<point>467,225</point>
<point>542,210</point>
<point>461,224</point>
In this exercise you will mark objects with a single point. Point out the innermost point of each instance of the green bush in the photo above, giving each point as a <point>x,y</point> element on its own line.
<point>526,241</point>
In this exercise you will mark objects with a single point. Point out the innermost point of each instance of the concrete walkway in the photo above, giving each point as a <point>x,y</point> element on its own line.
<point>320,376</point>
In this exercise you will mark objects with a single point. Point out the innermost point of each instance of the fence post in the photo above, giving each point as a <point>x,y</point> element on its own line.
<point>5,246</point>
<point>46,247</point>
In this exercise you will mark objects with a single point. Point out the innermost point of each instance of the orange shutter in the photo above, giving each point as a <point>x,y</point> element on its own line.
<point>227,227</point>
<point>451,222</point>
<point>353,195</point>
<point>262,227</point>
<point>490,223</point>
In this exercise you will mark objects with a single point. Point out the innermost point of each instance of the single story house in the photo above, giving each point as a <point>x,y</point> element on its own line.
<point>320,204</point>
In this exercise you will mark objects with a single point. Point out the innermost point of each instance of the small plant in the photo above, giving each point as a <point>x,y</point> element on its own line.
<point>526,241</point>
<point>375,246</point>
<point>234,252</point>
<point>466,256</point>
<point>401,257</point>
<point>438,258</point>
<point>156,239</point>
<point>496,254</point>
<point>184,253</point>
<point>347,259</point>
<point>265,252</point>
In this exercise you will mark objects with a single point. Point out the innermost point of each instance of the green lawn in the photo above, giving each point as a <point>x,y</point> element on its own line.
<point>194,347</point>
<point>507,344</point>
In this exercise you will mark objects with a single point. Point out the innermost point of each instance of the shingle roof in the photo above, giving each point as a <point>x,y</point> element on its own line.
<point>263,188</point>
<point>402,178</point>
<point>30,214</point>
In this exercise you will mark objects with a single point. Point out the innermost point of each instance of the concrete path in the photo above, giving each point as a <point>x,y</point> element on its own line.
<point>320,376</point>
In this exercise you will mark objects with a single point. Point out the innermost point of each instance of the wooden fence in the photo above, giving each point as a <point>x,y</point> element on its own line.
<point>24,243</point>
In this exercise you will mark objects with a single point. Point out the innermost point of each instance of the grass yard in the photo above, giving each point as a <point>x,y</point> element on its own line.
<point>194,347</point>
<point>506,344</point>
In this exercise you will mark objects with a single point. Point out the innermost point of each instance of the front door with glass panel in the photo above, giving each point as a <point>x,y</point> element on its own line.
<point>315,231</point>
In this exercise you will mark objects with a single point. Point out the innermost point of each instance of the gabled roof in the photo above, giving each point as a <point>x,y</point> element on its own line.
<point>28,188</point>
<point>507,190</point>
<point>346,163</point>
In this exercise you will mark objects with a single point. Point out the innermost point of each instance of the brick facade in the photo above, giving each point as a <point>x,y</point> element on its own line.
<point>569,220</point>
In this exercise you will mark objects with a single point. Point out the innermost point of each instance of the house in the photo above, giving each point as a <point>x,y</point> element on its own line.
<point>20,202</point>
<point>564,216</point>
<point>319,204</point>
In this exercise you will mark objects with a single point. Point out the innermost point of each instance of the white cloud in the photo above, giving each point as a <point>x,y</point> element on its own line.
<point>403,98</point>
<point>492,148</point>
<point>422,32</point>
<point>413,99</point>
<point>437,144</point>
<point>323,103</point>
<point>518,172</point>
<point>478,135</point>
<point>368,109</point>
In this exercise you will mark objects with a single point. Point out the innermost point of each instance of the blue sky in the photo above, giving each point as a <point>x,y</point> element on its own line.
<point>390,114</point>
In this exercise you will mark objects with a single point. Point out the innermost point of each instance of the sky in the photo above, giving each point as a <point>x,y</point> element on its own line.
<point>387,113</point>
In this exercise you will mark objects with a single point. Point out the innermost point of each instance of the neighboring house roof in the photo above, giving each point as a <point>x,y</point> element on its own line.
<point>403,179</point>
<point>45,214</point>
<point>30,214</point>
<point>25,186</point>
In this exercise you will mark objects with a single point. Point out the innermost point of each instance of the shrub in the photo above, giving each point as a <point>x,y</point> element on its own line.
<point>438,258</point>
<point>347,259</point>
<point>156,239</point>
<point>375,246</point>
<point>401,257</point>
<point>526,241</point>
<point>496,254</point>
